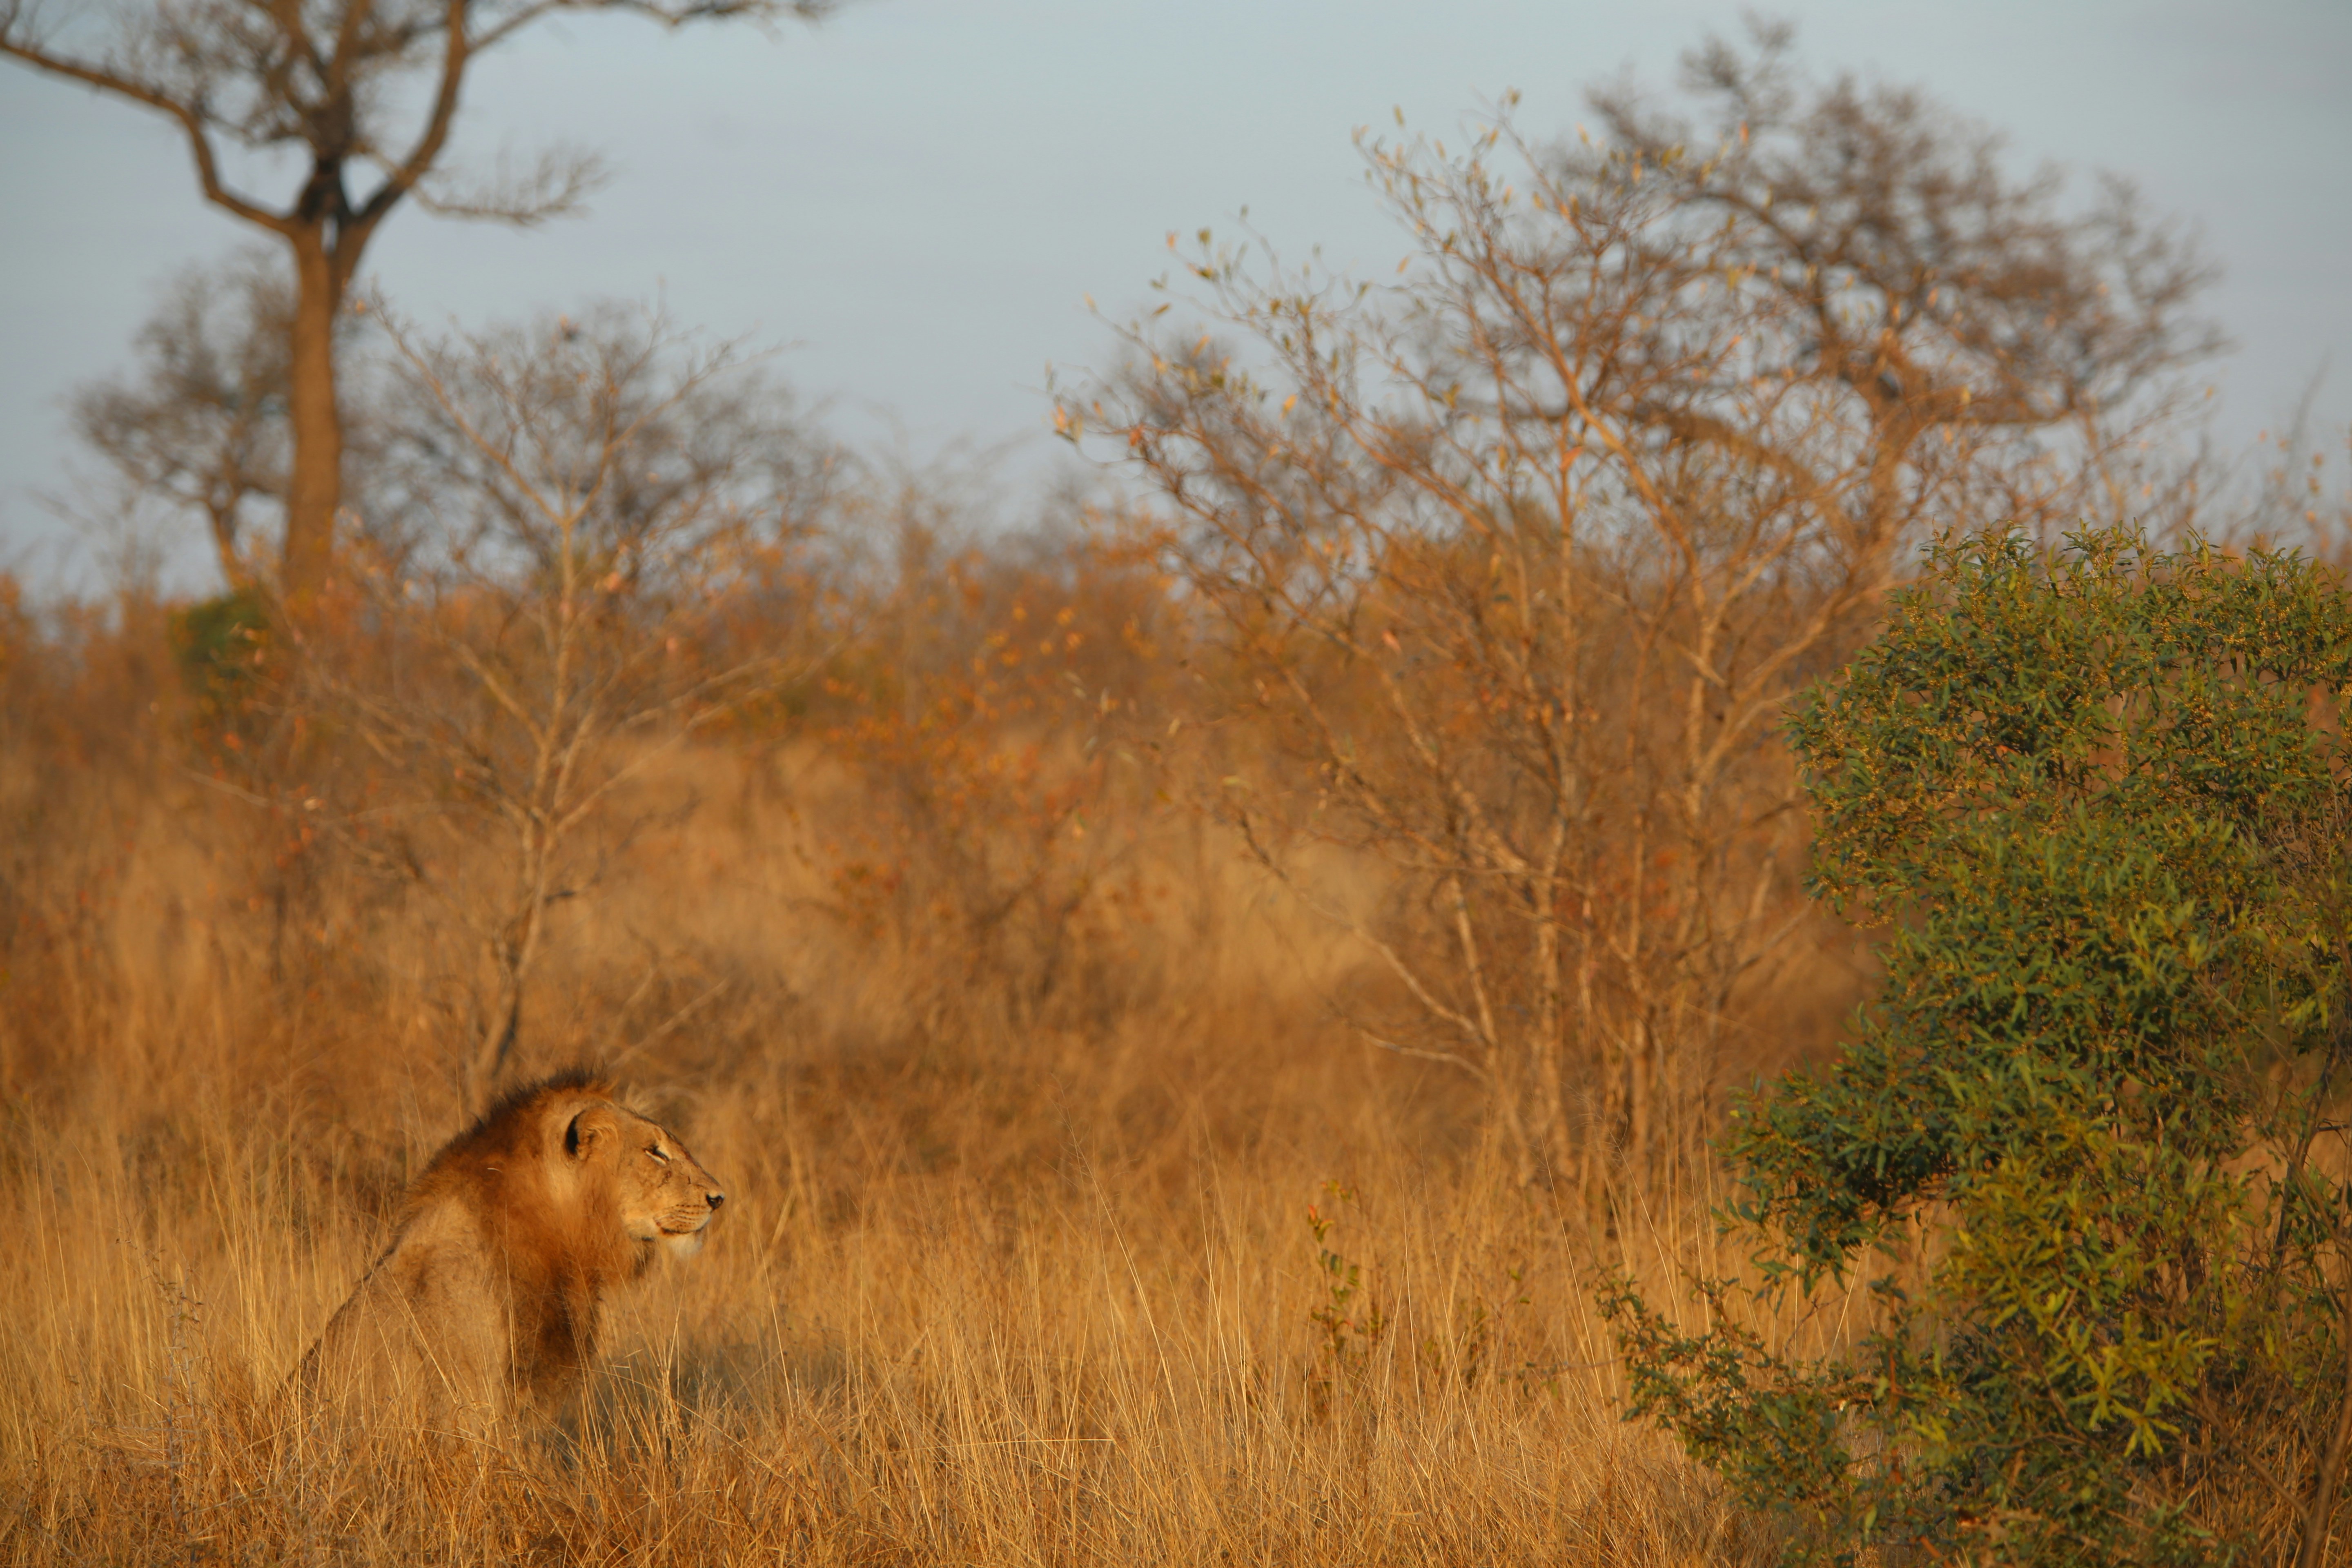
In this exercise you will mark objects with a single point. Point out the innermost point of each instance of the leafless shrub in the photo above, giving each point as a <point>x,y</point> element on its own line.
<point>602,501</point>
<point>1523,554</point>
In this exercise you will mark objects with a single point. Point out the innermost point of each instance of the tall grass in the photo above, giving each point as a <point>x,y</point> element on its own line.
<point>1101,1369</point>
<point>1161,1266</point>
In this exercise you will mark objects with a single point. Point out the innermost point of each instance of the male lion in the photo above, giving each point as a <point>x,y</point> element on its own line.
<point>487,1296</point>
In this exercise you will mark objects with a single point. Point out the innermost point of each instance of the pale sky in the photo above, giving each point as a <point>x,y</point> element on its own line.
<point>917,197</point>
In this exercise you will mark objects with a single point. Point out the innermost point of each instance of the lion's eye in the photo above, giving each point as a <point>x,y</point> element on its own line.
<point>657,1153</point>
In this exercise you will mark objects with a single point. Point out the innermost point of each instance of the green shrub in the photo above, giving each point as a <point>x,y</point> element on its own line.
<point>2077,1152</point>
<point>220,644</point>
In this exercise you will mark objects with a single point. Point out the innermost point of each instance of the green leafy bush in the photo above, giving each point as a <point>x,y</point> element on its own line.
<point>217,641</point>
<point>2078,1156</point>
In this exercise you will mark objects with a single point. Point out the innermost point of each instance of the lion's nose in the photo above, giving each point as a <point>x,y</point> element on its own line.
<point>716,1198</point>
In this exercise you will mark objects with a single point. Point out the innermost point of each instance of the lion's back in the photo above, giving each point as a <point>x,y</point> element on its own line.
<point>425,1332</point>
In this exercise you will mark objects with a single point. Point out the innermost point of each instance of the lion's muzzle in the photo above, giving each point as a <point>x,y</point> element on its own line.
<point>681,1227</point>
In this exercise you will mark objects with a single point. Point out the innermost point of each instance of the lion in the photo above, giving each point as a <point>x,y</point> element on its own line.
<point>487,1299</point>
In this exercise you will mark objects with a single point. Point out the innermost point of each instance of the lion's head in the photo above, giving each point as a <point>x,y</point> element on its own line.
<point>659,1195</point>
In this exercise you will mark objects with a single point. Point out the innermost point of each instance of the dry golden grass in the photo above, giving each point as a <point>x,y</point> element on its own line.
<point>934,1372</point>
<point>1004,1281</point>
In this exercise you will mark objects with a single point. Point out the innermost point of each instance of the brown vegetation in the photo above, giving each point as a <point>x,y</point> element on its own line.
<point>1067,1222</point>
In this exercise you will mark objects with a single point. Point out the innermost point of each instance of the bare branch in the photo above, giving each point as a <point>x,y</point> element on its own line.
<point>558,185</point>
<point>190,118</point>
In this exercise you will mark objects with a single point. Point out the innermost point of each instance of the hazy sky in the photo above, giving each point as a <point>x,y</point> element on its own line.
<point>918,195</point>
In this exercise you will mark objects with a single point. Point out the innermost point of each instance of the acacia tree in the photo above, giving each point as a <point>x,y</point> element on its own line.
<point>606,509</point>
<point>345,84</point>
<point>1523,553</point>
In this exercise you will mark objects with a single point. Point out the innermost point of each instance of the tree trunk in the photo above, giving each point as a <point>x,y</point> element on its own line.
<point>316,489</point>
<point>486,1068</point>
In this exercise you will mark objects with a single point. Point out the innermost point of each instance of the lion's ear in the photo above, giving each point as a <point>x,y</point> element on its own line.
<point>585,1129</point>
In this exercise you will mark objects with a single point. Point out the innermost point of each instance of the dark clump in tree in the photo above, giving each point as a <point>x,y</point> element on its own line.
<point>2081,1148</point>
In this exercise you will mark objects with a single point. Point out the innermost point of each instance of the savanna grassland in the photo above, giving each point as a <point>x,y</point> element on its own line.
<point>1201,984</point>
<point>1070,1219</point>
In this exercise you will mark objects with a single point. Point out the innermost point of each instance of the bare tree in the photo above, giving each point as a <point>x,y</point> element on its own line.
<point>200,420</point>
<point>1914,282</point>
<point>345,84</point>
<point>1523,556</point>
<point>614,560</point>
<point>2281,489</point>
